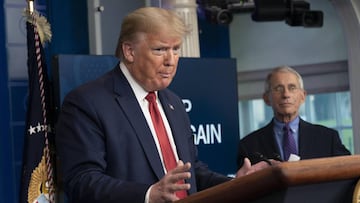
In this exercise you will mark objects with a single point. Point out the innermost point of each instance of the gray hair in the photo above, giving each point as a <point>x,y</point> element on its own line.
<point>282,69</point>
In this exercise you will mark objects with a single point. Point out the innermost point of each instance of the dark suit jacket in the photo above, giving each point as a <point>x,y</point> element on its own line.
<point>315,141</point>
<point>106,149</point>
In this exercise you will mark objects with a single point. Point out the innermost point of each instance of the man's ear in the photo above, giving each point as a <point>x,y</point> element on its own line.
<point>266,98</point>
<point>303,96</point>
<point>128,51</point>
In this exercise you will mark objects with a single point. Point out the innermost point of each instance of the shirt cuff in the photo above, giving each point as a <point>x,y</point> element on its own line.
<point>147,195</point>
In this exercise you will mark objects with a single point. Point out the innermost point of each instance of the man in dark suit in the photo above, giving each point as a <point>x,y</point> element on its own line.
<point>284,92</point>
<point>106,141</point>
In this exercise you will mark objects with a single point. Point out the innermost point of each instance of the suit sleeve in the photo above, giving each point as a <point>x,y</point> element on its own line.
<point>242,153</point>
<point>251,149</point>
<point>80,140</point>
<point>338,148</point>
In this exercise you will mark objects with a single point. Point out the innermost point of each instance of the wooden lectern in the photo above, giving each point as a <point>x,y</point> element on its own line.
<point>319,180</point>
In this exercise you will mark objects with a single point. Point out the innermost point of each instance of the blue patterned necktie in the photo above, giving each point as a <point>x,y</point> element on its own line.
<point>289,145</point>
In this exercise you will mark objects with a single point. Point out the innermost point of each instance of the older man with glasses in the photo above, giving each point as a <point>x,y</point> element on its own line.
<point>288,135</point>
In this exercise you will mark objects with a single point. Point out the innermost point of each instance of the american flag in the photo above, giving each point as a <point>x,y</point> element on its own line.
<point>37,178</point>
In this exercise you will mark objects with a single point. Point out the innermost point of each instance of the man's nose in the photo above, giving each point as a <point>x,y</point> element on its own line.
<point>170,57</point>
<point>286,93</point>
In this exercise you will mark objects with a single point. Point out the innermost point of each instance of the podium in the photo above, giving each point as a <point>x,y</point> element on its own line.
<point>318,180</point>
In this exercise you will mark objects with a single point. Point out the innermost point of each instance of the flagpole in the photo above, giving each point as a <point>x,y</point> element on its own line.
<point>38,181</point>
<point>31,6</point>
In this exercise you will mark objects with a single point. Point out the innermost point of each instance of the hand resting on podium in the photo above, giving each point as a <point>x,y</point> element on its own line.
<point>248,168</point>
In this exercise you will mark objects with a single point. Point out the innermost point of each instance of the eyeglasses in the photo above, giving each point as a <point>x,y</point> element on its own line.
<point>281,89</point>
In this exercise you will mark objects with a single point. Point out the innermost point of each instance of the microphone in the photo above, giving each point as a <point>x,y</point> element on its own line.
<point>277,157</point>
<point>261,157</point>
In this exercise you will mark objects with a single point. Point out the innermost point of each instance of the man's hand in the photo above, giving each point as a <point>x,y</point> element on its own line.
<point>247,168</point>
<point>164,190</point>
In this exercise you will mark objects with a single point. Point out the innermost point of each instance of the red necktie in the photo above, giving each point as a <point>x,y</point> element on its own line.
<point>166,150</point>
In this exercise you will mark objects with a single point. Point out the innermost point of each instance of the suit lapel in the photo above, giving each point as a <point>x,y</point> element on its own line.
<point>171,110</point>
<point>128,103</point>
<point>269,137</point>
<point>305,138</point>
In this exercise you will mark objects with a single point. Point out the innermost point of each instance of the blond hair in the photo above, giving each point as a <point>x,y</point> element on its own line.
<point>150,20</point>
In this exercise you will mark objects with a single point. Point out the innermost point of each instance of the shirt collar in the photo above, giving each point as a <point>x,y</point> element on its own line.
<point>294,124</point>
<point>139,92</point>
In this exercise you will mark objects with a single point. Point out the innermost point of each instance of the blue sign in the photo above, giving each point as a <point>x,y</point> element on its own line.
<point>208,88</point>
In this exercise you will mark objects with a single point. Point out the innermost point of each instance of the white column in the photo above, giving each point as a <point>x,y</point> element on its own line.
<point>349,15</point>
<point>94,27</point>
<point>187,10</point>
